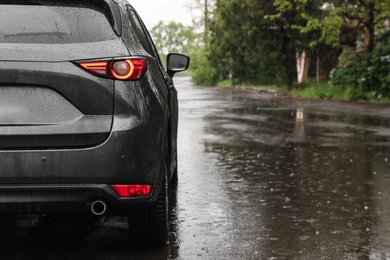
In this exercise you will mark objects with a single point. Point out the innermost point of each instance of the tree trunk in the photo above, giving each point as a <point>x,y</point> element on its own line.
<point>369,24</point>
<point>327,59</point>
<point>303,62</point>
<point>322,70</point>
<point>206,22</point>
<point>288,58</point>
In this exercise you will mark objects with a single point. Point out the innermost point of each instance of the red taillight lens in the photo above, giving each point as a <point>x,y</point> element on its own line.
<point>99,68</point>
<point>124,69</point>
<point>132,190</point>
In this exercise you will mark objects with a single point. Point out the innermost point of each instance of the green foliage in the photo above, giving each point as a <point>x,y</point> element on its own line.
<point>364,73</point>
<point>173,37</point>
<point>377,69</point>
<point>357,10</point>
<point>326,91</point>
<point>203,11</point>
<point>227,83</point>
<point>249,49</point>
<point>254,42</point>
<point>350,70</point>
<point>204,74</point>
<point>365,15</point>
<point>312,90</point>
<point>325,28</point>
<point>308,20</point>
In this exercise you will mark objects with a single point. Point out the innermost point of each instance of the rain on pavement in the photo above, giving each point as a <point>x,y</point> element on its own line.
<point>260,177</point>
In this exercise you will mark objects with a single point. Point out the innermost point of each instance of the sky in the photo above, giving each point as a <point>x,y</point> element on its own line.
<point>154,11</point>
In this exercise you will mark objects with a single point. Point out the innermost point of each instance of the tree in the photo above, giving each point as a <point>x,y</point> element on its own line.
<point>366,15</point>
<point>251,48</point>
<point>173,37</point>
<point>203,13</point>
<point>317,28</point>
<point>257,41</point>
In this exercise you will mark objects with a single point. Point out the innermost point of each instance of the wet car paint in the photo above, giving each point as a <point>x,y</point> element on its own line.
<point>260,177</point>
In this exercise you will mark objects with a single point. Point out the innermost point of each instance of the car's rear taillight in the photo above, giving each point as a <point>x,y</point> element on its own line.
<point>99,68</point>
<point>133,190</point>
<point>128,69</point>
<point>118,69</point>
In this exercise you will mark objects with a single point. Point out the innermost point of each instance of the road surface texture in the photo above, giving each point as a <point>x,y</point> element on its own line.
<point>260,177</point>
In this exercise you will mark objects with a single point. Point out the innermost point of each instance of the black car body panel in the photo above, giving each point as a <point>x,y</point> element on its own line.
<point>65,199</point>
<point>63,52</point>
<point>66,134</point>
<point>43,106</point>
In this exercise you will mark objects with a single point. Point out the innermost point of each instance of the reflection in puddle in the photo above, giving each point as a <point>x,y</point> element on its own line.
<point>300,125</point>
<point>299,180</point>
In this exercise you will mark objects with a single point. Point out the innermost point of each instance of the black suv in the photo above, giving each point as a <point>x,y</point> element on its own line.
<point>88,115</point>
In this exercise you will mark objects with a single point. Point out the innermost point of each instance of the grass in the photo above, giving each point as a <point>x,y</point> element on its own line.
<point>184,73</point>
<point>320,90</point>
<point>228,84</point>
<point>325,91</point>
<point>314,90</point>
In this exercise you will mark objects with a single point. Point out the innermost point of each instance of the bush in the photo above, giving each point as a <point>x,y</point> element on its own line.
<point>204,74</point>
<point>350,72</point>
<point>360,73</point>
<point>377,74</point>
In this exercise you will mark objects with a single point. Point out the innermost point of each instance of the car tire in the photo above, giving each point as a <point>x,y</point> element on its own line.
<point>149,226</point>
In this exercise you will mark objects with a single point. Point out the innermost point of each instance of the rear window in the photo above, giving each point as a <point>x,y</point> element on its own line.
<point>48,23</point>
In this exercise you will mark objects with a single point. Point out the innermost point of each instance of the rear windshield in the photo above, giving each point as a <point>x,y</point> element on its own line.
<point>48,23</point>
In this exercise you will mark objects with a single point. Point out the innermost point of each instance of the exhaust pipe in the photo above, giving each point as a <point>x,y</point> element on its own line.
<point>98,207</point>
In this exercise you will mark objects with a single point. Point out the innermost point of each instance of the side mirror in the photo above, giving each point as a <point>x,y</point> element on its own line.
<point>177,63</point>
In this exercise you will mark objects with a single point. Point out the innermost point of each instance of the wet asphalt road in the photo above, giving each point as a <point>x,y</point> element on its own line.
<point>260,177</point>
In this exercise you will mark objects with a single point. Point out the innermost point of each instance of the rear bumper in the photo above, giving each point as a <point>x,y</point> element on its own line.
<point>47,181</point>
<point>72,198</point>
<point>67,181</point>
<point>129,156</point>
